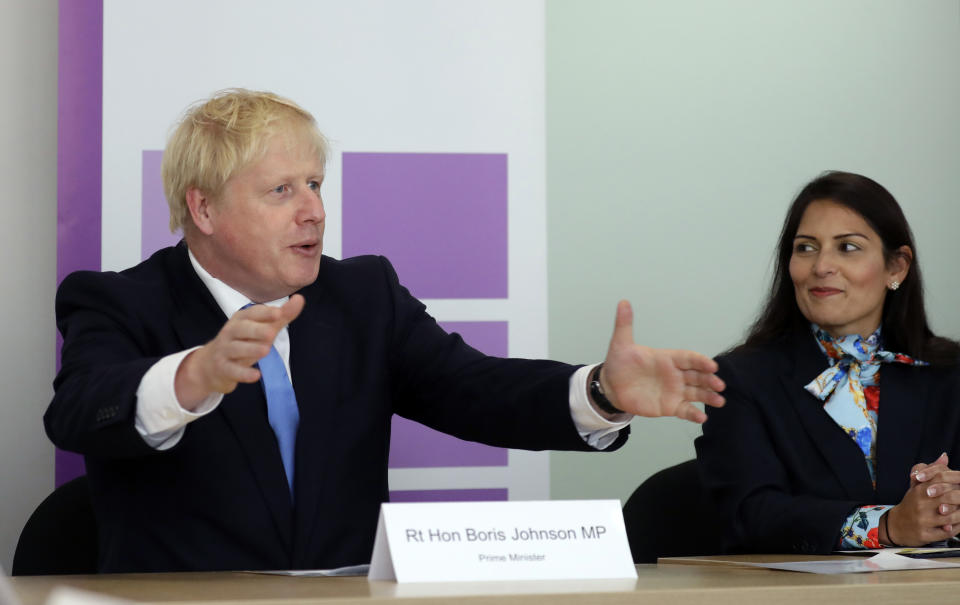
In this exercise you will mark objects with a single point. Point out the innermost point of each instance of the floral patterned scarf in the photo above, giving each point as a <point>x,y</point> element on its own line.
<point>850,387</point>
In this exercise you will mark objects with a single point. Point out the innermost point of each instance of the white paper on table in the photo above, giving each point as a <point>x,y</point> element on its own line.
<point>883,561</point>
<point>916,552</point>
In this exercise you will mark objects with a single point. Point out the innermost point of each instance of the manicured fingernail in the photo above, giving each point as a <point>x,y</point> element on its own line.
<point>921,476</point>
<point>943,509</point>
<point>931,492</point>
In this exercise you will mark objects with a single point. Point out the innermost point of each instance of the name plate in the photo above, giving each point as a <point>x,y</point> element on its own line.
<point>529,540</point>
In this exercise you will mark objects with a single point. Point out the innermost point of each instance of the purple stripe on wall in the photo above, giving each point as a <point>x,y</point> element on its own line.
<point>441,218</point>
<point>488,337</point>
<point>413,445</point>
<point>154,212</point>
<point>79,135</point>
<point>79,143</point>
<point>449,495</point>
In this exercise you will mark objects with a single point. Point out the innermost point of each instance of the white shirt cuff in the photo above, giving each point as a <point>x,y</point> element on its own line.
<point>160,419</point>
<point>598,432</point>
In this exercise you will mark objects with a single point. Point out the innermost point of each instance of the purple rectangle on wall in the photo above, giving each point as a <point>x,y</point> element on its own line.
<point>413,445</point>
<point>449,495</point>
<point>154,212</point>
<point>79,136</point>
<point>441,218</point>
<point>79,144</point>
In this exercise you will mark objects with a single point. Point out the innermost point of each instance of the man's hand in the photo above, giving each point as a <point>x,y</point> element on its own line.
<point>228,359</point>
<point>656,382</point>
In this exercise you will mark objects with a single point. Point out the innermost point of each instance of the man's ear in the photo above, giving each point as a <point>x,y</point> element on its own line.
<point>199,205</point>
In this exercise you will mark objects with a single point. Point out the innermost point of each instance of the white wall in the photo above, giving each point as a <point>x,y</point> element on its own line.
<point>28,169</point>
<point>677,134</point>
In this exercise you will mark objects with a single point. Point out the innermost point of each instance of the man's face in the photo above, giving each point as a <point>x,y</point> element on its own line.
<point>266,228</point>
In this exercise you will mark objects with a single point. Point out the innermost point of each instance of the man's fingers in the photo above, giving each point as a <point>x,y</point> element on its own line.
<point>246,339</point>
<point>703,388</point>
<point>246,352</point>
<point>229,374</point>
<point>248,374</point>
<point>229,358</point>
<point>706,396</point>
<point>623,326</point>
<point>226,375</point>
<point>262,322</point>
<point>688,411</point>
<point>691,360</point>
<point>248,330</point>
<point>279,316</point>
<point>710,382</point>
<point>258,312</point>
<point>292,308</point>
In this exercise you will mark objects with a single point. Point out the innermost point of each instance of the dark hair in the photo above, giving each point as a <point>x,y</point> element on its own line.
<point>904,322</point>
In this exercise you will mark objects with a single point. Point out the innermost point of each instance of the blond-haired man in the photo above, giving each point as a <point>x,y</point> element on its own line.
<point>232,395</point>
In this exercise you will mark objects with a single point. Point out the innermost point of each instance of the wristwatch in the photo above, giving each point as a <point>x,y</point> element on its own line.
<point>596,393</point>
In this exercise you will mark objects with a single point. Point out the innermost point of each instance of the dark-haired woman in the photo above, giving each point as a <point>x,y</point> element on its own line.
<point>843,408</point>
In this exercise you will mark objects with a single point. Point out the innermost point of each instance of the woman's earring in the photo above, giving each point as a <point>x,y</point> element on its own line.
<point>894,285</point>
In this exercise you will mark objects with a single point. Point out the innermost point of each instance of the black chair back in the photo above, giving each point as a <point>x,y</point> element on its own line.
<point>60,537</point>
<point>672,515</point>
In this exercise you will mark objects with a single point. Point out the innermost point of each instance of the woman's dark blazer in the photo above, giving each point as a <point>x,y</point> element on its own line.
<point>784,475</point>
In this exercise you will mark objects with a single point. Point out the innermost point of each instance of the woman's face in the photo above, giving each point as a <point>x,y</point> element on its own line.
<point>838,270</point>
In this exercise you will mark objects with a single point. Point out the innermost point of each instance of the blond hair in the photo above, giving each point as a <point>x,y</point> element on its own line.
<point>219,136</point>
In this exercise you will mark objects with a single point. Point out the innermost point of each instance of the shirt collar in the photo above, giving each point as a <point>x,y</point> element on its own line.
<point>229,300</point>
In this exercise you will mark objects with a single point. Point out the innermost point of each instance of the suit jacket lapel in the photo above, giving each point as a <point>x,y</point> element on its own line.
<point>315,364</point>
<point>198,320</point>
<point>839,451</point>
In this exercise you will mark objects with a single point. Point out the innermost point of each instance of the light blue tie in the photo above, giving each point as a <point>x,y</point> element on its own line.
<point>282,411</point>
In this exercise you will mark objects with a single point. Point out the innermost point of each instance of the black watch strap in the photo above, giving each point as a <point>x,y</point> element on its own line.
<point>596,393</point>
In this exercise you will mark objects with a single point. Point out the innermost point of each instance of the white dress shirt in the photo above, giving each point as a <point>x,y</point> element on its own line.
<point>161,420</point>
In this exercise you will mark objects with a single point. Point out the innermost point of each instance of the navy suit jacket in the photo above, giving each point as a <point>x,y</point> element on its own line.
<point>784,475</point>
<point>361,350</point>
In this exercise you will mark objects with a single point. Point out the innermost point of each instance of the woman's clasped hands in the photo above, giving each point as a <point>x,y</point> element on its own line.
<point>930,509</point>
